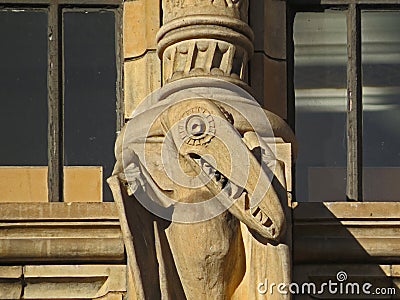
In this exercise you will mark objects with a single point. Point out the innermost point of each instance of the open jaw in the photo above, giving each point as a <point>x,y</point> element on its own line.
<point>237,200</point>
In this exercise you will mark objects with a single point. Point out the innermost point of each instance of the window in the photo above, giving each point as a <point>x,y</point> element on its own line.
<point>60,97</point>
<point>347,104</point>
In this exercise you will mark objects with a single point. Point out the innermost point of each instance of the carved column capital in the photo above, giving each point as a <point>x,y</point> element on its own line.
<point>205,38</point>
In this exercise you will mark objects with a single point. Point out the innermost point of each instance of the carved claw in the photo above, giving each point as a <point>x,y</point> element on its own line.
<point>209,142</point>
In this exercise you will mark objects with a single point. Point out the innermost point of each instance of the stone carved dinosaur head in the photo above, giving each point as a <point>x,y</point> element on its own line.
<point>202,154</point>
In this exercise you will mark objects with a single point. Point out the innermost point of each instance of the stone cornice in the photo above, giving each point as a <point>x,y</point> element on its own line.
<point>60,232</point>
<point>346,232</point>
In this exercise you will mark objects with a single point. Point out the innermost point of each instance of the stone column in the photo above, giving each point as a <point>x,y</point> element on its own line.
<point>205,38</point>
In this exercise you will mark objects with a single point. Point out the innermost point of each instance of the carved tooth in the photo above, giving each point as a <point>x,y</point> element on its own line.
<point>228,188</point>
<point>223,181</point>
<point>208,169</point>
<point>236,191</point>
<point>218,176</point>
<point>260,216</point>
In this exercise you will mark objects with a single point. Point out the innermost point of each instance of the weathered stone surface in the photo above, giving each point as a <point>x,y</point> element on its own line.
<point>174,9</point>
<point>268,21</point>
<point>29,184</point>
<point>142,76</point>
<point>83,184</point>
<point>113,296</point>
<point>214,266</point>
<point>201,156</point>
<point>60,232</point>
<point>346,232</point>
<point>141,20</point>
<point>203,38</point>
<point>10,282</point>
<point>74,281</point>
<point>268,81</point>
<point>379,276</point>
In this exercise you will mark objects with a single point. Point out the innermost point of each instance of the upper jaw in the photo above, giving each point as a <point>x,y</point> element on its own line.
<point>231,172</point>
<point>266,217</point>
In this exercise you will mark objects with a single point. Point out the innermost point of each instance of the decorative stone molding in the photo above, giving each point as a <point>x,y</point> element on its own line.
<point>107,282</point>
<point>174,9</point>
<point>74,281</point>
<point>60,232</point>
<point>343,232</point>
<point>204,57</point>
<point>205,38</point>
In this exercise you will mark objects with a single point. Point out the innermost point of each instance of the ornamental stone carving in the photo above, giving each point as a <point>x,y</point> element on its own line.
<point>205,38</point>
<point>174,9</point>
<point>196,179</point>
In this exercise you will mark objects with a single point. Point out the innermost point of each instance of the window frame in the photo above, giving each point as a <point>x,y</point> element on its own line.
<point>55,76</point>
<point>354,111</point>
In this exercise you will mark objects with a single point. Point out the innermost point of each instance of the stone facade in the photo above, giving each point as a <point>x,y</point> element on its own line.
<point>79,250</point>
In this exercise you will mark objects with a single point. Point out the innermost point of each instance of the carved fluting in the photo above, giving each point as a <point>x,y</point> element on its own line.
<point>204,57</point>
<point>231,8</point>
<point>205,38</point>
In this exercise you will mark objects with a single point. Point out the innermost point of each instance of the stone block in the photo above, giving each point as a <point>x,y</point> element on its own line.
<point>60,232</point>
<point>352,275</point>
<point>74,281</point>
<point>342,232</point>
<point>10,282</point>
<point>112,296</point>
<point>29,184</point>
<point>268,22</point>
<point>141,21</point>
<point>142,76</point>
<point>275,29</point>
<point>83,184</point>
<point>257,23</point>
<point>269,83</point>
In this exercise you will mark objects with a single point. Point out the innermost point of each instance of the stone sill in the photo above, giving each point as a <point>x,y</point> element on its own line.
<point>60,233</point>
<point>313,211</point>
<point>346,232</point>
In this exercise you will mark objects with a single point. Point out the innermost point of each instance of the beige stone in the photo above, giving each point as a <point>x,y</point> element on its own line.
<point>23,184</point>
<point>200,187</point>
<point>379,276</point>
<point>60,232</point>
<point>395,270</point>
<point>174,9</point>
<point>267,219</point>
<point>74,281</point>
<point>142,76</point>
<point>112,296</point>
<point>346,232</point>
<point>83,184</point>
<point>29,184</point>
<point>203,38</point>
<point>10,282</point>
<point>141,21</point>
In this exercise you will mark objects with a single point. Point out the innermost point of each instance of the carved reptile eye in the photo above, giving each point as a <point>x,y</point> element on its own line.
<point>197,126</point>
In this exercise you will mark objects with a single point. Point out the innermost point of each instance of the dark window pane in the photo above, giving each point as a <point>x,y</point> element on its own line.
<point>90,97</point>
<point>320,88</point>
<point>381,104</point>
<point>23,88</point>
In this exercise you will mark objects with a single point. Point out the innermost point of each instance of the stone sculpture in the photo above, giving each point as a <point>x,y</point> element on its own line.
<point>201,209</point>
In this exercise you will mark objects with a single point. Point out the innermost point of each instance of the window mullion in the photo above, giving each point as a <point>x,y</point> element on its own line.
<point>55,127</point>
<point>354,105</point>
<point>119,64</point>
